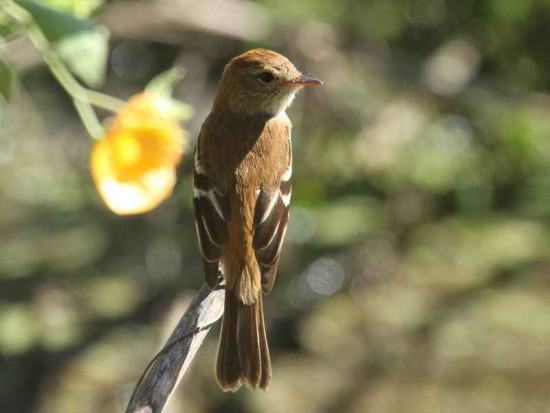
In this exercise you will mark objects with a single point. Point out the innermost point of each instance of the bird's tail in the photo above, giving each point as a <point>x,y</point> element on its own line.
<point>243,354</point>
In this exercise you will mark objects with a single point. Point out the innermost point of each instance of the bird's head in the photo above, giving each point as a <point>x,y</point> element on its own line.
<point>260,81</point>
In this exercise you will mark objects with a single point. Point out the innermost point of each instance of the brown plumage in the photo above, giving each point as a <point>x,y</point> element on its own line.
<point>243,165</point>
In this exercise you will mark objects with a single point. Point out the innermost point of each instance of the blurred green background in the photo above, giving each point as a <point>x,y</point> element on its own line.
<point>415,275</point>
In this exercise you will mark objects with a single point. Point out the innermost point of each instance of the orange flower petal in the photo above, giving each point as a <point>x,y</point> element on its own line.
<point>134,165</point>
<point>138,196</point>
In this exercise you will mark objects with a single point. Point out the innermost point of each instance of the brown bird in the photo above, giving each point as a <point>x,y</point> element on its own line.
<point>243,166</point>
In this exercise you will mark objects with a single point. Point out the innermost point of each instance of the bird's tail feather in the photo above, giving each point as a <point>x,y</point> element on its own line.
<point>243,354</point>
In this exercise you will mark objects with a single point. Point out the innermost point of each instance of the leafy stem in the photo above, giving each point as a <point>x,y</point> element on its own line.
<point>83,98</point>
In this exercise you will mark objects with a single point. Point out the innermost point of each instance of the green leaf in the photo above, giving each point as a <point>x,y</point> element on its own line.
<point>163,86</point>
<point>55,24</point>
<point>177,110</point>
<point>164,83</point>
<point>7,26</point>
<point>81,45</point>
<point>86,55</point>
<point>7,80</point>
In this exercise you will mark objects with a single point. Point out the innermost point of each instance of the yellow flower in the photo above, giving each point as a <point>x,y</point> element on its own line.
<point>134,165</point>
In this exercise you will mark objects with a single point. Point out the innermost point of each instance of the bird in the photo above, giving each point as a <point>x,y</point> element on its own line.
<point>241,198</point>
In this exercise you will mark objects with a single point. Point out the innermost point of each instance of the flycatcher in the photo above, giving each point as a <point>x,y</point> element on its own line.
<point>243,166</point>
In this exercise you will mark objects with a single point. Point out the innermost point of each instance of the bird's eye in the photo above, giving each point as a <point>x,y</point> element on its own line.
<point>266,77</point>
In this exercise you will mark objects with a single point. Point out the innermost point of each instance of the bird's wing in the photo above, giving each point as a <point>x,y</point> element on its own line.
<point>212,211</point>
<point>270,223</point>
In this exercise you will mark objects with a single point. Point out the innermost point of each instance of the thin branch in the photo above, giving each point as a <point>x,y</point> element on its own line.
<point>165,370</point>
<point>89,119</point>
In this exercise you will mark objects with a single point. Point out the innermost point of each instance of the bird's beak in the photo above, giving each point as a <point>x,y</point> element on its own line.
<point>304,80</point>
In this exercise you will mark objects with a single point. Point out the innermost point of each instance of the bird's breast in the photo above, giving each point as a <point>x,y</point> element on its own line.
<point>247,154</point>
